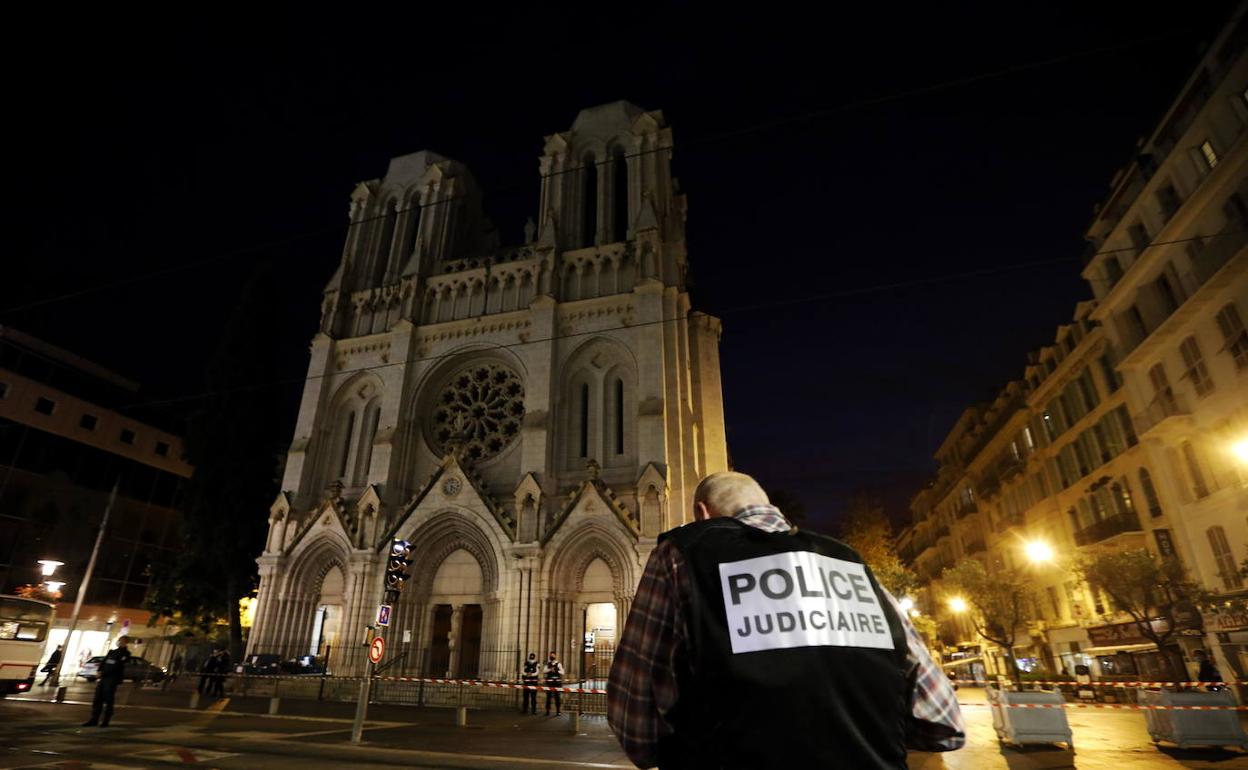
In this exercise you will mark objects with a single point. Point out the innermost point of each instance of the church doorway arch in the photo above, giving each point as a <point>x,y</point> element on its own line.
<point>456,599</point>
<point>327,618</point>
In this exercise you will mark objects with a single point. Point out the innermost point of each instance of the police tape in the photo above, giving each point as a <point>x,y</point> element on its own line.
<point>427,680</point>
<point>1111,706</point>
<point>1132,684</point>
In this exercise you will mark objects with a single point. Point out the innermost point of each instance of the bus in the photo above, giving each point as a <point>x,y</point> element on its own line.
<point>24,627</point>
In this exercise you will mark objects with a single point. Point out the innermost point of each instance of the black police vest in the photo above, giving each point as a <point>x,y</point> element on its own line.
<point>822,702</point>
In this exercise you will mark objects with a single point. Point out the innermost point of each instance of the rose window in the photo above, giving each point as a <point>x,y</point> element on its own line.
<point>482,407</point>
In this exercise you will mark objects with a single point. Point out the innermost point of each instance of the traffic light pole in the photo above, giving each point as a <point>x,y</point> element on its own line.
<point>393,577</point>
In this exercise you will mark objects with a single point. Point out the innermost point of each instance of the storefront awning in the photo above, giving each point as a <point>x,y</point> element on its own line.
<point>963,661</point>
<point>1119,648</point>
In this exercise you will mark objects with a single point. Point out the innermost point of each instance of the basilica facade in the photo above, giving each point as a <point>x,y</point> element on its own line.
<point>529,418</point>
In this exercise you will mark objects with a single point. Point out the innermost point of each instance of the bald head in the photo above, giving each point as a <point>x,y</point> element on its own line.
<point>723,494</point>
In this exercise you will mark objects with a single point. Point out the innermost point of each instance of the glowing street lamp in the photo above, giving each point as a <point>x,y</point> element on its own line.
<point>1240,450</point>
<point>1038,552</point>
<point>957,604</point>
<point>54,586</point>
<point>906,604</point>
<point>48,566</point>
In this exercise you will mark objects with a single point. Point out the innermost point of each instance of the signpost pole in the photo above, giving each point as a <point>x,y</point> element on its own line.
<point>361,706</point>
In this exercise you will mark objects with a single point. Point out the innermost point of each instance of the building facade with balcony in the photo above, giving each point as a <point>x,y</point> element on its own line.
<point>1170,273</point>
<point>1121,433</point>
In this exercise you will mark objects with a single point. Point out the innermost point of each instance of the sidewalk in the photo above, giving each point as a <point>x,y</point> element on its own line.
<point>400,735</point>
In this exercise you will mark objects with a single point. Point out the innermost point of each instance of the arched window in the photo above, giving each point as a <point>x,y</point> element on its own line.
<point>1122,498</point>
<point>619,195</point>
<point>385,240</point>
<point>584,421</point>
<point>344,451</point>
<point>619,415</point>
<point>1228,570</point>
<point>1150,493</point>
<point>1199,488</point>
<point>364,455</point>
<point>589,201</point>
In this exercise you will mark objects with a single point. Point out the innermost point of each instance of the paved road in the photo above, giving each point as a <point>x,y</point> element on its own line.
<point>233,734</point>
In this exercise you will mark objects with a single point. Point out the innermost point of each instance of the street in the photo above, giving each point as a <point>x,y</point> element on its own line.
<point>157,730</point>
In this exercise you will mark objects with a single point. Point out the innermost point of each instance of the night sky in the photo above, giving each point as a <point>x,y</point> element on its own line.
<point>885,207</point>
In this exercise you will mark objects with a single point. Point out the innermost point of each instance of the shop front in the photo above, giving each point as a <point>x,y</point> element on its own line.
<point>1069,648</point>
<point>1227,638</point>
<point>1121,650</point>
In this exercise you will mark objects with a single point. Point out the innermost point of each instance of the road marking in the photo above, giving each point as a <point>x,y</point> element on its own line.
<point>184,756</point>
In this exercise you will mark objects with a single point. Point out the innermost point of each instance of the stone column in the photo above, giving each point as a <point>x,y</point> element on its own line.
<point>457,621</point>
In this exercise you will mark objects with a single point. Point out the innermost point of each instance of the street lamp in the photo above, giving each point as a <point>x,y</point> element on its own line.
<point>1038,551</point>
<point>905,603</point>
<point>1240,450</point>
<point>957,604</point>
<point>54,586</point>
<point>48,566</point>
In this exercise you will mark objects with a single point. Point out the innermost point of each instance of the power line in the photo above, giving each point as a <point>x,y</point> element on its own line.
<point>692,144</point>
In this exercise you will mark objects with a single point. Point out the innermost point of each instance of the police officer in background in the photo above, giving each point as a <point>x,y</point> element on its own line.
<point>112,671</point>
<point>529,679</point>
<point>753,645</point>
<point>554,678</point>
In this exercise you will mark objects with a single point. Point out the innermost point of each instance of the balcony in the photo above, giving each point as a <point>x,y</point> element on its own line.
<point>1107,528</point>
<point>942,532</point>
<point>965,508</point>
<point>1159,411</point>
<point>1010,468</point>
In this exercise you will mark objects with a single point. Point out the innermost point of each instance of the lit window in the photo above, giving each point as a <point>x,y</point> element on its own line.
<point>1209,154</point>
<point>127,436</point>
<point>45,406</point>
<point>88,422</point>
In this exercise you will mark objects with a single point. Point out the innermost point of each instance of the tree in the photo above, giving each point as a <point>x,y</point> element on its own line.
<point>1151,589</point>
<point>868,532</point>
<point>998,600</point>
<point>231,442</point>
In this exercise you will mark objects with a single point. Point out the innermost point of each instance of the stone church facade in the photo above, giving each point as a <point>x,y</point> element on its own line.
<point>530,418</point>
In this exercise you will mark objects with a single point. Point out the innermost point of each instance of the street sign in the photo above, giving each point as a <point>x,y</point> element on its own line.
<point>383,614</point>
<point>377,649</point>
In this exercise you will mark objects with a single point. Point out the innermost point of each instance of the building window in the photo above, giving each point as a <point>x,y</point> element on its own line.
<point>619,416</point>
<point>1168,200</point>
<point>1199,488</point>
<point>1150,493</point>
<point>162,449</point>
<point>1228,570</point>
<point>584,420</point>
<point>345,456</point>
<point>1195,363</point>
<point>127,436</point>
<point>1110,373</point>
<point>1122,496</point>
<point>589,201</point>
<point>1054,602</point>
<point>1139,237</point>
<point>45,405</point>
<point>1137,322</point>
<point>1231,325</point>
<point>1162,393</point>
<point>1210,154</point>
<point>88,422</point>
<point>619,196</point>
<point>1113,269</point>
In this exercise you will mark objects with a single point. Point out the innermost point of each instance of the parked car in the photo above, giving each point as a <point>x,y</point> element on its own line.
<point>137,670</point>
<point>260,665</point>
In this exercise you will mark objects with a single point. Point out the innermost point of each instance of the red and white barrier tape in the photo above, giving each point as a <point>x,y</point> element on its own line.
<point>429,680</point>
<point>1113,706</point>
<point>1131,684</point>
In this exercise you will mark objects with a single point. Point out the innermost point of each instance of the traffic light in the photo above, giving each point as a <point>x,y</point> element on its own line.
<point>396,568</point>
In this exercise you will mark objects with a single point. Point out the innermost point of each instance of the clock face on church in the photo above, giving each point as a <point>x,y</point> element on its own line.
<point>480,406</point>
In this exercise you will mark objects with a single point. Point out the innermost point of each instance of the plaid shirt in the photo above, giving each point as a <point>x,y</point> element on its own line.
<point>643,687</point>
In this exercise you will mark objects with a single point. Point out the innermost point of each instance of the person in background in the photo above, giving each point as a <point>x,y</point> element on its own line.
<point>1208,671</point>
<point>112,671</point>
<point>529,679</point>
<point>554,678</point>
<point>50,666</point>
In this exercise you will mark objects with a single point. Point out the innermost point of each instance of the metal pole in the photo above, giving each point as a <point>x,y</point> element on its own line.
<point>361,706</point>
<point>86,581</point>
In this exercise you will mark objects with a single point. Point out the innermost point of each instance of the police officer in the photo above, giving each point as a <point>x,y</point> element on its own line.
<point>529,679</point>
<point>751,644</point>
<point>554,678</point>
<point>112,671</point>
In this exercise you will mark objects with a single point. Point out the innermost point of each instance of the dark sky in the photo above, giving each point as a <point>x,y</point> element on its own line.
<point>822,155</point>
